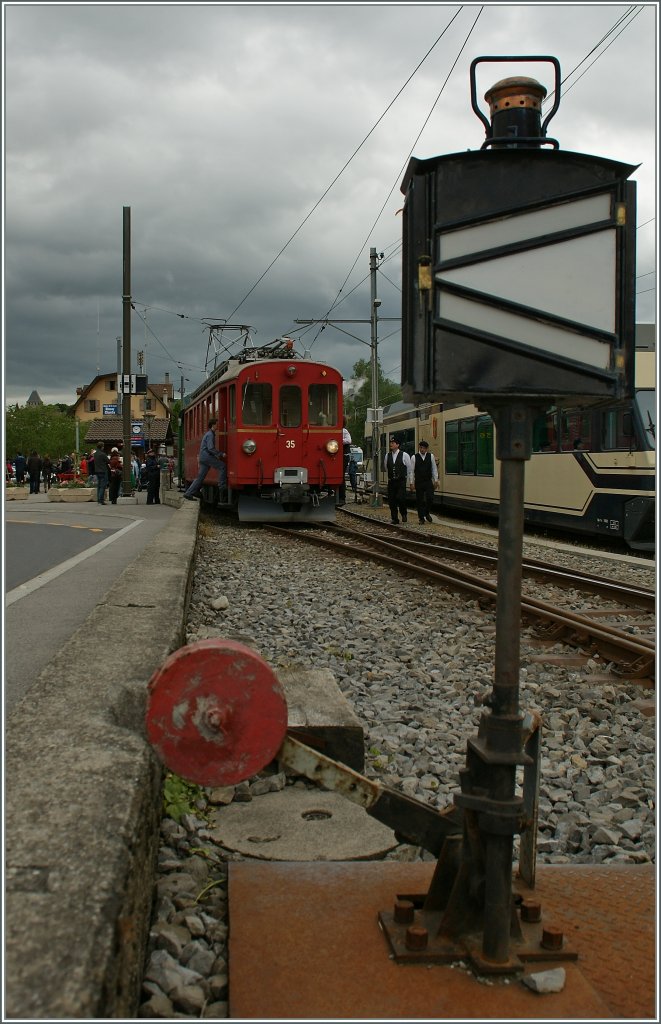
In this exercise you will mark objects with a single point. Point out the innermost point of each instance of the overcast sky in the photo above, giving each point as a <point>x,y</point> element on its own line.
<point>222,126</point>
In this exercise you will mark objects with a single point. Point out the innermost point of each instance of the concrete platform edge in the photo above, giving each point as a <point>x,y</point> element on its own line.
<point>82,798</point>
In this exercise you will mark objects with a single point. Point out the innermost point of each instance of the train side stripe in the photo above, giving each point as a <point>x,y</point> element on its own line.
<point>601,480</point>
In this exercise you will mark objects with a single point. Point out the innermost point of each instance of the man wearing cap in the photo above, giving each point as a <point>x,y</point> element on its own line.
<point>397,465</point>
<point>425,477</point>
<point>209,458</point>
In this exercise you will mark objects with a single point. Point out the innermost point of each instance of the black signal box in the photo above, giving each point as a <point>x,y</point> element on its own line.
<point>518,277</point>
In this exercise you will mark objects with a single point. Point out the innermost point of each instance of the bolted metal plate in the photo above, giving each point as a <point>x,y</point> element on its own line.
<point>216,712</point>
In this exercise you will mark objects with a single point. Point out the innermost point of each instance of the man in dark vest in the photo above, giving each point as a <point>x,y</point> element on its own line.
<point>425,476</point>
<point>398,466</point>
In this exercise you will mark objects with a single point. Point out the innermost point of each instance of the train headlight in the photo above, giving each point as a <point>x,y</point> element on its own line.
<point>249,447</point>
<point>332,447</point>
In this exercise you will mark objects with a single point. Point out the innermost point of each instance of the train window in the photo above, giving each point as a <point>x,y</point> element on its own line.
<point>407,441</point>
<point>232,404</point>
<point>452,447</point>
<point>484,446</point>
<point>617,430</point>
<point>290,405</point>
<point>322,405</point>
<point>467,447</point>
<point>544,432</point>
<point>256,405</point>
<point>575,431</point>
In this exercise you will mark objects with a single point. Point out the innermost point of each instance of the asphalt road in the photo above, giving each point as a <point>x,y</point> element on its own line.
<point>60,560</point>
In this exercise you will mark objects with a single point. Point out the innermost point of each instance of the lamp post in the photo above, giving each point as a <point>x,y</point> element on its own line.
<point>149,416</point>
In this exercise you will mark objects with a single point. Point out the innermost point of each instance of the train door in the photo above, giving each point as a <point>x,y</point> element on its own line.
<point>290,419</point>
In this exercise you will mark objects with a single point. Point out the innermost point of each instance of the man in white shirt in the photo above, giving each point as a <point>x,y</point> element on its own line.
<point>397,465</point>
<point>425,477</point>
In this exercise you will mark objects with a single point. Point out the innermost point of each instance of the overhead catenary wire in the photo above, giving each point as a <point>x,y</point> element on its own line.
<point>403,168</point>
<point>344,167</point>
<point>615,31</point>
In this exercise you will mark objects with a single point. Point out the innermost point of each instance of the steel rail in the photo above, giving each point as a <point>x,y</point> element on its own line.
<point>641,649</point>
<point>642,597</point>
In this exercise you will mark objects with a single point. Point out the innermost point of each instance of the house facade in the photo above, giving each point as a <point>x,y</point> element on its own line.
<point>98,408</point>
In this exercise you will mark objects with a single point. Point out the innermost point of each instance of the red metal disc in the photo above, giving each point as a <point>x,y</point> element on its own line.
<point>216,712</point>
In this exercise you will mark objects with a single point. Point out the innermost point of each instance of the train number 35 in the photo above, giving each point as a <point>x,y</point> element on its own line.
<point>290,444</point>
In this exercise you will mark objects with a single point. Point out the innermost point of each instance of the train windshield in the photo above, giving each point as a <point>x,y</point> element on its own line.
<point>646,402</point>
<point>256,404</point>
<point>322,405</point>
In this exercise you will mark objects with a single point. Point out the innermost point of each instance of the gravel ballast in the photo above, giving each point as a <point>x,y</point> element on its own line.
<point>413,660</point>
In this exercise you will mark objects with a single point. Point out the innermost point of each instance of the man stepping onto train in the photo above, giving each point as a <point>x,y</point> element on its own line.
<point>209,458</point>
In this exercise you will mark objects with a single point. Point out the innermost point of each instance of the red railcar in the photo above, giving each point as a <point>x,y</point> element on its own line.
<point>280,423</point>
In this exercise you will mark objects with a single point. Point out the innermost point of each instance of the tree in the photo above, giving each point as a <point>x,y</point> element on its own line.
<point>44,428</point>
<point>355,408</point>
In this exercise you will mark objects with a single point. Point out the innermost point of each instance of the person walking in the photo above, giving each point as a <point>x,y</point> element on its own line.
<point>101,464</point>
<point>135,473</point>
<point>397,465</point>
<point>425,477</point>
<point>209,458</point>
<point>115,471</point>
<point>34,471</point>
<point>153,479</point>
<point>47,471</point>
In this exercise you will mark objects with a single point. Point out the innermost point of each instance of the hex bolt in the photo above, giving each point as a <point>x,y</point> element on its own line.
<point>552,938</point>
<point>216,718</point>
<point>531,910</point>
<point>403,912</point>
<point>416,937</point>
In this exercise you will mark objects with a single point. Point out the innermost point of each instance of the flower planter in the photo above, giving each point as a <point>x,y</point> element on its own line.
<point>15,493</point>
<point>71,494</point>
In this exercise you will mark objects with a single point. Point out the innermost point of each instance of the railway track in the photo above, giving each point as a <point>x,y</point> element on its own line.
<point>594,632</point>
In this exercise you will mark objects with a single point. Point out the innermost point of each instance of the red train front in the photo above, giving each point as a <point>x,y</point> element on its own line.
<point>280,423</point>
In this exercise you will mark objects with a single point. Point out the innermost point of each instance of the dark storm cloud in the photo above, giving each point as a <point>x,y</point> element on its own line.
<point>221,127</point>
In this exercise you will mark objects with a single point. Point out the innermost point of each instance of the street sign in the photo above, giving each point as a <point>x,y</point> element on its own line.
<point>133,384</point>
<point>110,410</point>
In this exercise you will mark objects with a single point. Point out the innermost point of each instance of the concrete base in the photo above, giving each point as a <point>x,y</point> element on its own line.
<point>312,931</point>
<point>301,824</point>
<point>133,500</point>
<point>319,715</point>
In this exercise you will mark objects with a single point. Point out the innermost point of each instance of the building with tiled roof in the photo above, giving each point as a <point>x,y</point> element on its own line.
<point>34,399</point>
<point>98,410</point>
<point>145,434</point>
<point>101,399</point>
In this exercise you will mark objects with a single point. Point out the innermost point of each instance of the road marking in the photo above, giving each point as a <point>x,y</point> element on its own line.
<point>45,577</point>
<point>68,526</point>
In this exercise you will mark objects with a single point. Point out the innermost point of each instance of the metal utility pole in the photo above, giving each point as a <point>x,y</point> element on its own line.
<point>377,501</point>
<point>127,490</point>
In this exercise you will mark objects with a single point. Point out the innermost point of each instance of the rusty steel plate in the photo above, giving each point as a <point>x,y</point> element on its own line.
<point>216,712</point>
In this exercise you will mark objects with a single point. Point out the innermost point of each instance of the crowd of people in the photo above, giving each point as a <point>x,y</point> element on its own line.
<point>98,468</point>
